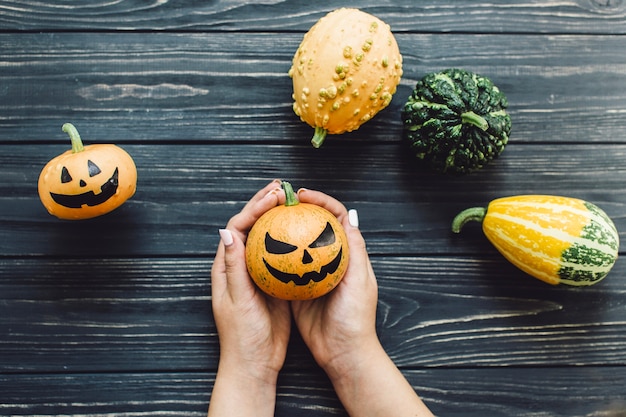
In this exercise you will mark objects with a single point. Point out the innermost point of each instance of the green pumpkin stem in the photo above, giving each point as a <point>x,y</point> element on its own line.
<point>291,199</point>
<point>467,215</point>
<point>475,119</point>
<point>319,136</point>
<point>77,143</point>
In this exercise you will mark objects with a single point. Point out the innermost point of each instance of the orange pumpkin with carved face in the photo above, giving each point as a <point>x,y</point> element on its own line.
<point>86,181</point>
<point>297,251</point>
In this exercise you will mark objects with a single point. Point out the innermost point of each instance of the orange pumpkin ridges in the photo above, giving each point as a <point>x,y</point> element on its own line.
<point>297,251</point>
<point>86,181</point>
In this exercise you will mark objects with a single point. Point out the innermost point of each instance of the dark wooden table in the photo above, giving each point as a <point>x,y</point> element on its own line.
<point>112,316</point>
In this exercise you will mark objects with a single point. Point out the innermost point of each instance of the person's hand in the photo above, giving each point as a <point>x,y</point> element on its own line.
<point>343,323</point>
<point>253,328</point>
<point>340,330</point>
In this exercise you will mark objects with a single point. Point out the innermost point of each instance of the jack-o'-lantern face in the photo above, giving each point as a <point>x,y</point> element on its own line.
<point>99,192</point>
<point>311,262</point>
<point>88,182</point>
<point>297,252</point>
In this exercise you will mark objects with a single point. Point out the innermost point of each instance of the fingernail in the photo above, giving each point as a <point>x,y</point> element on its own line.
<point>226,236</point>
<point>353,218</point>
<point>274,191</point>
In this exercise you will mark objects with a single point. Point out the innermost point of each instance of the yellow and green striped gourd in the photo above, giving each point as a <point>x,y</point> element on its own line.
<point>559,240</point>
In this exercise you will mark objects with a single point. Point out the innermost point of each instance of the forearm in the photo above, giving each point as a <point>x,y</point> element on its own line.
<point>374,387</point>
<point>238,394</point>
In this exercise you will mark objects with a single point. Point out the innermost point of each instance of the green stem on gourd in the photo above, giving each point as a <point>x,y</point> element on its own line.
<point>319,136</point>
<point>77,143</point>
<point>471,214</point>
<point>291,199</point>
<point>474,119</point>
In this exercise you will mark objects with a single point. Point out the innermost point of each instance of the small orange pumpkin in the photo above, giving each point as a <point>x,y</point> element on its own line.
<point>86,181</point>
<point>297,251</point>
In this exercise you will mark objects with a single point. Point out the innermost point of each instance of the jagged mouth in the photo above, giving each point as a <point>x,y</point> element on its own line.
<point>307,277</point>
<point>108,190</point>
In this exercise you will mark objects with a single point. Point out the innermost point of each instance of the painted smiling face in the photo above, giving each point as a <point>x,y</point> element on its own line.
<point>297,252</point>
<point>87,181</point>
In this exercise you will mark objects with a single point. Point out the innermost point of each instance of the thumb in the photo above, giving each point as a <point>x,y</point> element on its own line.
<point>238,281</point>
<point>360,267</point>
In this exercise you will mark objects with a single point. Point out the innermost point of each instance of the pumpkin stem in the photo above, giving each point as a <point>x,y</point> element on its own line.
<point>290,195</point>
<point>77,143</point>
<point>475,119</point>
<point>467,215</point>
<point>319,136</point>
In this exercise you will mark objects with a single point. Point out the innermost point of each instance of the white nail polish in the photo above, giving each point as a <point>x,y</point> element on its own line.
<point>273,192</point>
<point>226,236</point>
<point>353,218</point>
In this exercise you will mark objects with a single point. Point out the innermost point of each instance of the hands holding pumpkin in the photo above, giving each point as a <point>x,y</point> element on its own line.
<point>339,328</point>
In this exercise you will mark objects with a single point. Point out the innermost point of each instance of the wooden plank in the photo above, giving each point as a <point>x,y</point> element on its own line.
<point>481,311</point>
<point>112,316</point>
<point>215,87</point>
<point>278,16</point>
<point>81,315</point>
<point>525,392</point>
<point>499,392</point>
<point>186,192</point>
<point>154,314</point>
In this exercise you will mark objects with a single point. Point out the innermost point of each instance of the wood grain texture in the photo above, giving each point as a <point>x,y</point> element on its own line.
<point>234,87</point>
<point>186,192</point>
<point>519,16</point>
<point>520,392</point>
<point>112,316</point>
<point>153,314</point>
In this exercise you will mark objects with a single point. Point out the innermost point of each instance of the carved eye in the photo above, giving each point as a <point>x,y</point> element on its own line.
<point>327,237</point>
<point>65,176</point>
<point>93,168</point>
<point>277,247</point>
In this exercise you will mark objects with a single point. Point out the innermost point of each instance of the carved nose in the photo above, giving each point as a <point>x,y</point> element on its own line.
<point>83,183</point>
<point>307,258</point>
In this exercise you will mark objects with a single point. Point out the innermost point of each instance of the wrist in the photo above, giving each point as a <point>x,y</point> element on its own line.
<point>257,374</point>
<point>370,384</point>
<point>350,363</point>
<point>241,391</point>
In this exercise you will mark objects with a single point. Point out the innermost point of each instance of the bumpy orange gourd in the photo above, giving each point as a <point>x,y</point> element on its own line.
<point>297,251</point>
<point>344,72</point>
<point>86,181</point>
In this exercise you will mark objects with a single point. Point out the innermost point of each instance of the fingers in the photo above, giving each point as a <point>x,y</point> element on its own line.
<point>263,191</point>
<point>323,200</point>
<point>268,197</point>
<point>238,282</point>
<point>349,220</point>
<point>360,267</point>
<point>219,270</point>
<point>229,265</point>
